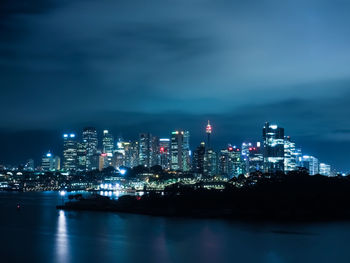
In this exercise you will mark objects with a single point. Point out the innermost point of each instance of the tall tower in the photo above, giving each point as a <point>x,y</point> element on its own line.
<point>208,131</point>
<point>273,137</point>
<point>69,152</point>
<point>90,142</point>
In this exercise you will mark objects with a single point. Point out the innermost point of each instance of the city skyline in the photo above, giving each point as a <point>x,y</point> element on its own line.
<point>93,149</point>
<point>238,64</point>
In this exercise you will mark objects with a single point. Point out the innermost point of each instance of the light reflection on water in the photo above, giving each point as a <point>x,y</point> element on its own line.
<point>40,233</point>
<point>62,242</point>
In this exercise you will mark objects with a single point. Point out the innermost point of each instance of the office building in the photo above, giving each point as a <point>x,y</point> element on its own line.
<point>69,152</point>
<point>325,169</point>
<point>273,137</point>
<point>180,151</point>
<point>311,164</point>
<point>90,142</point>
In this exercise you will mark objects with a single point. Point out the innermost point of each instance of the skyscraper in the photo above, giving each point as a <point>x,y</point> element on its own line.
<point>180,150</point>
<point>290,155</point>
<point>47,162</point>
<point>255,158</point>
<point>69,152</point>
<point>107,143</point>
<point>90,142</point>
<point>210,162</point>
<point>81,156</point>
<point>198,159</point>
<point>230,162</point>
<point>164,151</point>
<point>273,137</point>
<point>145,149</point>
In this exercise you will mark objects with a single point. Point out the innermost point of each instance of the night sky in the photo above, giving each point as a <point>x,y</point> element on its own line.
<point>136,66</point>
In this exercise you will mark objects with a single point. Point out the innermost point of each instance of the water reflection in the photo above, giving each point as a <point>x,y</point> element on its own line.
<point>62,238</point>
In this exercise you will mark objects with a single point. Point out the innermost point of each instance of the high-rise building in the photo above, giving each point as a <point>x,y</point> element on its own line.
<point>273,137</point>
<point>90,142</point>
<point>164,151</point>
<point>107,143</point>
<point>57,163</point>
<point>155,151</point>
<point>290,155</point>
<point>210,162</point>
<point>69,152</point>
<point>325,169</point>
<point>102,161</point>
<point>180,150</point>
<point>230,162</point>
<point>145,149</point>
<point>255,159</point>
<point>81,156</point>
<point>311,164</point>
<point>47,162</point>
<point>198,159</point>
<point>131,153</point>
<point>245,151</point>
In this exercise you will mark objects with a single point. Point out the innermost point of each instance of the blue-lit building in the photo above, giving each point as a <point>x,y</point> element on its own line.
<point>180,151</point>
<point>273,139</point>
<point>69,152</point>
<point>90,142</point>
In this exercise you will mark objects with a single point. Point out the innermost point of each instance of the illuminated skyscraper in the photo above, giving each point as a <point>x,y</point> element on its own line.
<point>90,142</point>
<point>164,150</point>
<point>230,162</point>
<point>210,162</point>
<point>131,153</point>
<point>107,143</point>
<point>145,149</point>
<point>255,158</point>
<point>290,155</point>
<point>180,150</point>
<point>69,152</point>
<point>198,159</point>
<point>47,162</point>
<point>273,137</point>
<point>81,156</point>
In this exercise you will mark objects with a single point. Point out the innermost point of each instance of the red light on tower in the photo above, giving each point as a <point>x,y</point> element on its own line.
<point>162,150</point>
<point>208,128</point>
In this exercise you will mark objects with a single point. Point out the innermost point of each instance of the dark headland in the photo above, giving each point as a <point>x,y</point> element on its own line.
<point>296,196</point>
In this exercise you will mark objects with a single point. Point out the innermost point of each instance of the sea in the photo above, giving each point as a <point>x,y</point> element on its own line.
<point>38,232</point>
